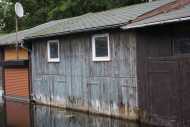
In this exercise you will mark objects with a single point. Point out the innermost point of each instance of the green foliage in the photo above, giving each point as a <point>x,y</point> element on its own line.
<point>40,11</point>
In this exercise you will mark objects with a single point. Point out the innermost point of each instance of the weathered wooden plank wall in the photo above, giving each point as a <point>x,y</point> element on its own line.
<point>79,83</point>
<point>151,43</point>
<point>160,80</point>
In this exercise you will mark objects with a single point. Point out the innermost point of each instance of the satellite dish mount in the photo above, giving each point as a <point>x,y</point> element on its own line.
<point>19,14</point>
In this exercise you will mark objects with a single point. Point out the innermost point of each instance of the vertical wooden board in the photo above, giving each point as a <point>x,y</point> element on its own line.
<point>41,89</point>
<point>114,96</point>
<point>184,92</point>
<point>132,97</point>
<point>125,87</point>
<point>69,90</point>
<point>129,92</point>
<point>115,56</point>
<point>166,89</point>
<point>33,58</point>
<point>86,92</point>
<point>43,61</point>
<point>60,90</point>
<point>84,59</point>
<point>104,97</point>
<point>35,88</point>
<point>76,68</point>
<point>141,71</point>
<point>135,92</point>
<point>77,90</point>
<point>124,55</point>
<point>87,50</point>
<point>94,94</point>
<point>119,100</point>
<point>63,56</point>
<point>36,59</point>
<point>134,62</point>
<point>68,71</point>
<point>127,54</point>
<point>46,86</point>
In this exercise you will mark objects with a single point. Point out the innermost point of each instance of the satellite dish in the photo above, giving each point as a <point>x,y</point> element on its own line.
<point>19,9</point>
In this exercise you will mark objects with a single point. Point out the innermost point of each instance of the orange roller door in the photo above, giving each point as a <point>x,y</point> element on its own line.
<point>16,82</point>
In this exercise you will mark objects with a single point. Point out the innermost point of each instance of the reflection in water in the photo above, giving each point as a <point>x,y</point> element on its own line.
<point>28,115</point>
<point>17,114</point>
<point>58,118</point>
<point>2,114</point>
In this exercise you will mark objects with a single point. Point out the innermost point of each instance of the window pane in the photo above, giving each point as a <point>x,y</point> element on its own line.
<point>53,50</point>
<point>182,46</point>
<point>101,46</point>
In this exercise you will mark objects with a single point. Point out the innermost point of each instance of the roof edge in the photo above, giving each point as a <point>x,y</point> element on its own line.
<point>156,23</point>
<point>77,31</point>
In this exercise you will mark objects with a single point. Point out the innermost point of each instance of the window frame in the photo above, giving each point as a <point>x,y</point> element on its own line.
<point>94,57</point>
<point>176,49</point>
<point>48,51</point>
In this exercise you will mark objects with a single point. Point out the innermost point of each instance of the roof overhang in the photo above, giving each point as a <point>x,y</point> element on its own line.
<point>135,26</point>
<point>92,29</point>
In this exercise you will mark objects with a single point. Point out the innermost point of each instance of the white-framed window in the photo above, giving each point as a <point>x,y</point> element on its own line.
<point>101,47</point>
<point>53,51</point>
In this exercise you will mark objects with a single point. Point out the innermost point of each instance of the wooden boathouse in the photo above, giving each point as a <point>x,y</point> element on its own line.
<point>88,63</point>
<point>131,62</point>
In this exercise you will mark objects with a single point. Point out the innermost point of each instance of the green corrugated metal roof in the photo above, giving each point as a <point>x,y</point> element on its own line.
<point>100,20</point>
<point>87,22</point>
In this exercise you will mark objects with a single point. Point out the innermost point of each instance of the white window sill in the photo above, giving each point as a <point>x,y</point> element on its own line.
<point>53,61</point>
<point>101,59</point>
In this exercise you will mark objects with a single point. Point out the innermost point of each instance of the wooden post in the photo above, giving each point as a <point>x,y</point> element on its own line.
<point>17,37</point>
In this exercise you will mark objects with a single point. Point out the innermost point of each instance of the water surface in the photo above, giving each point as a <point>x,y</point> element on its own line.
<point>15,114</point>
